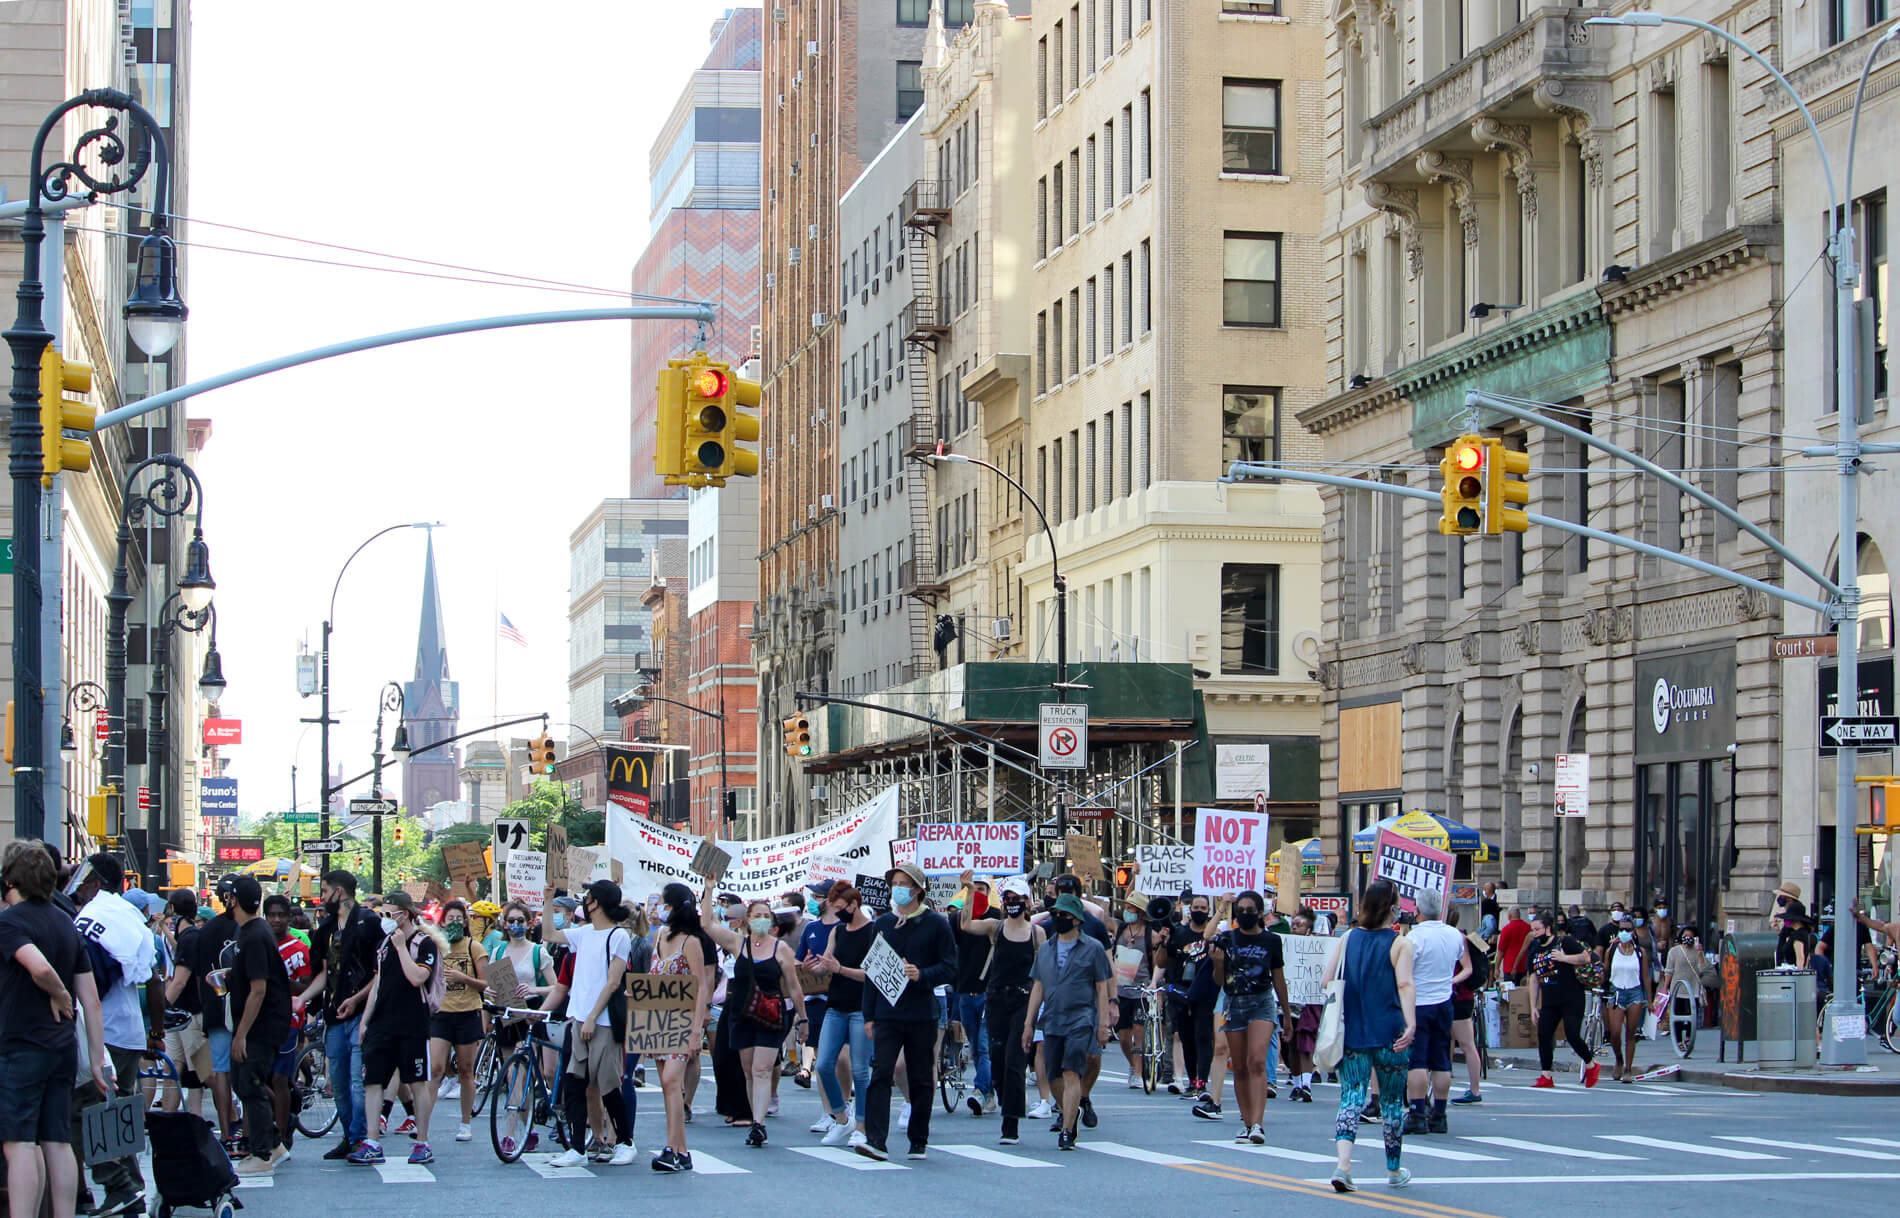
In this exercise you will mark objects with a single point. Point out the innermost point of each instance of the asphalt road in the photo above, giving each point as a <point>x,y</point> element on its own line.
<point>1659,1148</point>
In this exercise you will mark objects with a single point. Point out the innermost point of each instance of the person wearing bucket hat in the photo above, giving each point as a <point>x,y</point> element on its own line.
<point>1073,986</point>
<point>922,938</point>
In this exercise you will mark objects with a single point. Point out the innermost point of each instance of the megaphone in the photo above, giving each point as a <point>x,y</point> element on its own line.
<point>1161,909</point>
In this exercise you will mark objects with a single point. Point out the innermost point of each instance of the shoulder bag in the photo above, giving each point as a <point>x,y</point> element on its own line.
<point>1330,1044</point>
<point>769,1011</point>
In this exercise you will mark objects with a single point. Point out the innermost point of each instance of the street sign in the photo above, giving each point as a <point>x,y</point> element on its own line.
<point>328,845</point>
<point>145,799</point>
<point>300,818</point>
<point>1063,734</point>
<point>372,807</point>
<point>1866,732</point>
<point>511,834</point>
<point>1805,646</point>
<point>1572,794</point>
<point>1088,812</point>
<point>1050,832</point>
<point>6,556</point>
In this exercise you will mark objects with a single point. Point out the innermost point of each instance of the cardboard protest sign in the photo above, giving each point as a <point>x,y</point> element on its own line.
<point>1085,858</point>
<point>1412,866</point>
<point>709,860</point>
<point>1306,957</point>
<point>1230,851</point>
<point>1165,870</point>
<point>1127,964</point>
<point>557,860</point>
<point>660,1013</point>
<point>1287,899</point>
<point>417,890</point>
<point>651,855</point>
<point>435,890</point>
<point>581,862</point>
<point>527,877</point>
<point>467,862</point>
<point>112,1130</point>
<point>982,847</point>
<point>885,969</point>
<point>503,982</point>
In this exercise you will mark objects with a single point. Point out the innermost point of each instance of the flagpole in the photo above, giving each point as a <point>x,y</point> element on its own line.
<point>494,671</point>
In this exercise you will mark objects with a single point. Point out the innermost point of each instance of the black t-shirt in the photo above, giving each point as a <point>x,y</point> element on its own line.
<point>26,1013</point>
<point>214,937</point>
<point>1784,946</point>
<point>348,959</point>
<point>399,1006</point>
<point>1488,907</point>
<point>973,952</point>
<point>189,999</point>
<point>257,956</point>
<point>1557,980</point>
<point>1251,961</point>
<point>1185,950</point>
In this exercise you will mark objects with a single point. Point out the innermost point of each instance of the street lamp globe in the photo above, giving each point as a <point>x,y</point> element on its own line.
<point>400,745</point>
<point>154,314</point>
<point>212,683</point>
<point>67,742</point>
<point>196,587</point>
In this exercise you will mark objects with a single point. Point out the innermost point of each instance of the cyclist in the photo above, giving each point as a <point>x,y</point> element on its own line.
<point>458,1025</point>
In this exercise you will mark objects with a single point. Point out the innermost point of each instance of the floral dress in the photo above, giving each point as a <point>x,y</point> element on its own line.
<point>673,966</point>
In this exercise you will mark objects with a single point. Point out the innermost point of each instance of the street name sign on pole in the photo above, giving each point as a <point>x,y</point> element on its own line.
<point>1805,646</point>
<point>372,807</point>
<point>301,818</point>
<point>1062,736</point>
<point>1050,832</point>
<point>1862,731</point>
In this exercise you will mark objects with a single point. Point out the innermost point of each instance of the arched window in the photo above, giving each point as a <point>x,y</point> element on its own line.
<point>1876,598</point>
<point>1574,847</point>
<point>1455,770</point>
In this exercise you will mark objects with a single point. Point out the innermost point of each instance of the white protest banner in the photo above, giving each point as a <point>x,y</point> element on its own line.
<point>651,856</point>
<point>1230,852</point>
<point>527,877</point>
<point>1412,867</point>
<point>982,847</point>
<point>904,851</point>
<point>1306,957</point>
<point>828,869</point>
<point>885,968</point>
<point>1163,871</point>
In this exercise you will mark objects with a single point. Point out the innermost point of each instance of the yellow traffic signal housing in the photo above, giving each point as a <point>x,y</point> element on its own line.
<point>1464,490</point>
<point>60,413</point>
<point>669,452</point>
<point>541,754</point>
<point>182,873</point>
<point>800,736</point>
<point>399,833</point>
<point>701,422</point>
<point>744,429</point>
<point>1506,490</point>
<point>707,418</point>
<point>98,807</point>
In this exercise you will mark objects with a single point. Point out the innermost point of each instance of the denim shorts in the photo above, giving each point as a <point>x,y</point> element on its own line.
<point>1243,1009</point>
<point>1631,997</point>
<point>220,1041</point>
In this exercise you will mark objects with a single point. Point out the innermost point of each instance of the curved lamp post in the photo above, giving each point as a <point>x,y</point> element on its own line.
<point>390,700</point>
<point>174,616</point>
<point>104,161</point>
<point>83,696</point>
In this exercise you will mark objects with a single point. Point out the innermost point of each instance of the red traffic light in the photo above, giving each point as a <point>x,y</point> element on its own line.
<point>1468,457</point>
<point>710,383</point>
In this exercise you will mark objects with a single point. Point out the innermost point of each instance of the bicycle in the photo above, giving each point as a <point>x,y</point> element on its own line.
<point>1156,1035</point>
<point>1592,1031</point>
<point>487,1063</point>
<point>312,1100</point>
<point>953,1059</point>
<point>1481,1036</point>
<point>523,1098</point>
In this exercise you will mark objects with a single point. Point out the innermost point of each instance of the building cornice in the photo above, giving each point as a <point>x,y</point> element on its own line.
<point>1706,262</point>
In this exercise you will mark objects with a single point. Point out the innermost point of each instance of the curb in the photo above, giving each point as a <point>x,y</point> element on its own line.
<point>1749,1080</point>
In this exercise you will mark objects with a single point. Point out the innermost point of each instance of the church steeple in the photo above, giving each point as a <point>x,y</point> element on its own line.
<point>431,705</point>
<point>432,652</point>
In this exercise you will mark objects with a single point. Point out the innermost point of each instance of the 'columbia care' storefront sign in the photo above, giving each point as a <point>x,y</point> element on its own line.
<point>1685,703</point>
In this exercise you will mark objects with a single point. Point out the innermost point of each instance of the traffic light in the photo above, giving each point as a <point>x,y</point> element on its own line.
<point>707,417</point>
<point>669,450</point>
<point>1124,875</point>
<point>1464,490</point>
<point>701,423</point>
<point>183,873</point>
<point>797,736</point>
<point>541,754</point>
<point>1505,489</point>
<point>399,833</point>
<point>98,806</point>
<point>58,378</point>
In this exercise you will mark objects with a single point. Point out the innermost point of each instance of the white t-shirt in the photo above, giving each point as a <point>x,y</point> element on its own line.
<point>593,949</point>
<point>1436,951</point>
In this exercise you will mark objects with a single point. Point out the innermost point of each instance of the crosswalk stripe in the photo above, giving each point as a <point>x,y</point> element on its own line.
<point>712,1165</point>
<point>1812,1147</point>
<point>1873,1141</point>
<point>1569,1152</point>
<point>405,1173</point>
<point>1272,1152</point>
<point>1136,1153</point>
<point>1688,1148</point>
<point>256,1181</point>
<point>843,1158</point>
<point>1414,1147</point>
<point>984,1154</point>
<point>542,1167</point>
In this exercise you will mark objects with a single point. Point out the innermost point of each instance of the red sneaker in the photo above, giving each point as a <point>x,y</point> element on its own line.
<point>1590,1073</point>
<point>1543,1080</point>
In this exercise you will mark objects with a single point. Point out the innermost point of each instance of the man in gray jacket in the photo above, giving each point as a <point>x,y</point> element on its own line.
<point>1073,984</point>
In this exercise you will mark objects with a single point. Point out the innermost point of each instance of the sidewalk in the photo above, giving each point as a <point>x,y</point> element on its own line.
<point>1879,1077</point>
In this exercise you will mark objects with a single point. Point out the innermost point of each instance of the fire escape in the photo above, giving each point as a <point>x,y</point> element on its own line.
<point>923,329</point>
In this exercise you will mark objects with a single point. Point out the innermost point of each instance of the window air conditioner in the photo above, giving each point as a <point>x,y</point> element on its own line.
<point>1000,628</point>
<point>817,320</point>
<point>791,255</point>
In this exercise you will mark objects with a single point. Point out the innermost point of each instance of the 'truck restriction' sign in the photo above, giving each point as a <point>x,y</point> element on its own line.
<point>1063,735</point>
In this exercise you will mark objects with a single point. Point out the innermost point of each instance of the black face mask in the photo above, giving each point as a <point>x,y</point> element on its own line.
<point>332,905</point>
<point>1063,923</point>
<point>1015,908</point>
<point>1247,919</point>
<point>1199,917</point>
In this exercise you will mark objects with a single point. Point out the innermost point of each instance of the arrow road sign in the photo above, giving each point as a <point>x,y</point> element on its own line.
<point>1867,731</point>
<point>322,846</point>
<point>372,807</point>
<point>1050,832</point>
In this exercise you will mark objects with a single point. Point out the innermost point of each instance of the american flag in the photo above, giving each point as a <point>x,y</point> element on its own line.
<point>509,631</point>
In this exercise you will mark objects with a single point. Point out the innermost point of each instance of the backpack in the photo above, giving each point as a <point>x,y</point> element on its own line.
<point>1480,967</point>
<point>438,984</point>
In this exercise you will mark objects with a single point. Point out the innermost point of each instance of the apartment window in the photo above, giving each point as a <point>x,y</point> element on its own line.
<point>1146,115</point>
<point>1055,338</point>
<point>1055,500</point>
<point>1055,64</point>
<point>910,87</point>
<point>1088,472</point>
<point>1075,331</point>
<point>915,12</point>
<point>1042,78</point>
<point>1108,311</point>
<point>1250,279</point>
<point>1264,8</point>
<point>1091,25</point>
<point>1873,284</point>
<point>1249,425</point>
<point>1250,126</point>
<point>1836,21</point>
<point>1147,310</point>
<point>1128,18</point>
<point>1249,618</point>
<point>1075,190</point>
<point>1128,141</point>
<point>1145,438</point>
<point>1075,473</point>
<point>1108,456</point>
<point>1042,352</point>
<point>1075,46</point>
<point>1042,218</point>
<point>1092,323</point>
<point>1042,473</point>
<point>1108,164</point>
<point>1128,299</point>
<point>1088,170</point>
<point>1055,212</point>
<point>1128,443</point>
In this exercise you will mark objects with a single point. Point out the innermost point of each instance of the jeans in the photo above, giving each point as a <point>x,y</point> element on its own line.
<point>1005,1014</point>
<point>917,1040</point>
<point>629,1094</point>
<point>841,1026</point>
<point>1273,1056</point>
<point>346,1062</point>
<point>970,1015</point>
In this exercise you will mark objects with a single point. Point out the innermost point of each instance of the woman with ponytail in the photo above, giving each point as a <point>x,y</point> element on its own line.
<point>680,949</point>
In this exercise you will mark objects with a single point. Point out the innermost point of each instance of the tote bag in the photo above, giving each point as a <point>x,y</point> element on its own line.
<point>1330,1045</point>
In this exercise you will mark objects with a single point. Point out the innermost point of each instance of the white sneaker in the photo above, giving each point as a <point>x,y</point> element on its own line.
<point>903,1118</point>
<point>1042,1111</point>
<point>857,1139</point>
<point>1134,1082</point>
<point>1245,1136</point>
<point>840,1133</point>
<point>623,1155</point>
<point>451,1088</point>
<point>823,1124</point>
<point>463,1133</point>
<point>568,1158</point>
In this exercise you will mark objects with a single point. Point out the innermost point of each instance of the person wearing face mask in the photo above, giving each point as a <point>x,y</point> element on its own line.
<point>1250,965</point>
<point>458,1025</point>
<point>1072,986</point>
<point>395,1027</point>
<point>1181,953</point>
<point>343,948</point>
<point>922,938</point>
<point>842,963</point>
<point>1015,940</point>
<point>822,917</point>
<point>681,948</point>
<point>1631,987</point>
<point>602,952</point>
<point>764,993</point>
<point>1557,997</point>
<point>968,995</point>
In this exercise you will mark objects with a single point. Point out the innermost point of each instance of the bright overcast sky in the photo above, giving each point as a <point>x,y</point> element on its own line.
<point>482,134</point>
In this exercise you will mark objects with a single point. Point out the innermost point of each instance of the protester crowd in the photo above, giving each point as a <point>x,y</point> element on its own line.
<point>95,978</point>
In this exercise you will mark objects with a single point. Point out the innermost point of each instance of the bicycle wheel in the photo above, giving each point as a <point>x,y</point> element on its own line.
<point>1152,1044</point>
<point>511,1117</point>
<point>1480,1039</point>
<point>1592,1031</point>
<point>1887,1026</point>
<point>951,1083</point>
<point>487,1067</point>
<point>312,1103</point>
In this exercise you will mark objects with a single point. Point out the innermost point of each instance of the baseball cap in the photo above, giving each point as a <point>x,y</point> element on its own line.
<point>248,892</point>
<point>571,904</point>
<point>396,900</point>
<point>146,902</point>
<point>1016,884</point>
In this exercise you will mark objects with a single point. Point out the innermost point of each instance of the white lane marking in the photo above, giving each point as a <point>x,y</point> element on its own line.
<point>1767,1177</point>
<point>542,1166</point>
<point>1873,1141</point>
<point>1812,1147</point>
<point>1272,1152</point>
<point>1412,1147</point>
<point>843,1158</point>
<point>984,1154</point>
<point>405,1173</point>
<point>1687,1148</point>
<point>256,1181</point>
<point>1136,1153</point>
<point>711,1165</point>
<point>1575,1152</point>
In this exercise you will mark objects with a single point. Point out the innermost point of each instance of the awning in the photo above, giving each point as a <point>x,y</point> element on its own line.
<point>1431,829</point>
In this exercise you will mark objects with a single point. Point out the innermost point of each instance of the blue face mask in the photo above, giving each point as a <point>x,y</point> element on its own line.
<point>815,908</point>
<point>517,929</point>
<point>560,920</point>
<point>902,895</point>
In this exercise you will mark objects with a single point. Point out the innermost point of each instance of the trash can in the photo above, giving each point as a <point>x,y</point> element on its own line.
<point>1742,957</point>
<point>1785,1018</point>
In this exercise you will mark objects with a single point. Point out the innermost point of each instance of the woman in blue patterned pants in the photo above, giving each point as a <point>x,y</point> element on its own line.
<point>1375,963</point>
